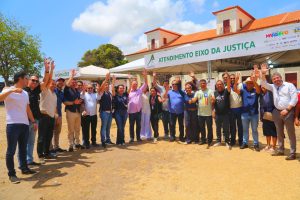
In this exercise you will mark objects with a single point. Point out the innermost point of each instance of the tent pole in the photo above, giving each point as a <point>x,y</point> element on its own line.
<point>209,70</point>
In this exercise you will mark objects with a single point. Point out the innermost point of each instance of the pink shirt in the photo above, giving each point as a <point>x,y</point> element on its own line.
<point>135,99</point>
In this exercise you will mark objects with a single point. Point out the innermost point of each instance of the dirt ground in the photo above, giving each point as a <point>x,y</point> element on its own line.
<point>155,171</point>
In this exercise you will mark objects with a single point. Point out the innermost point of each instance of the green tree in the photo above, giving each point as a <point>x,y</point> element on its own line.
<point>106,55</point>
<point>18,49</point>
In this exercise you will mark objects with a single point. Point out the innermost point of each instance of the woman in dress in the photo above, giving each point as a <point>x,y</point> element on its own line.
<point>266,109</point>
<point>146,131</point>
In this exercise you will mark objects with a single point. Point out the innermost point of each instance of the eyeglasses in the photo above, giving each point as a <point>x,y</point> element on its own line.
<point>90,88</point>
<point>34,81</point>
<point>79,85</point>
<point>232,78</point>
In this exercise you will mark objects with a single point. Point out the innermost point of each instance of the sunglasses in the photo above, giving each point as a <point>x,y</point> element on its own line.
<point>34,81</point>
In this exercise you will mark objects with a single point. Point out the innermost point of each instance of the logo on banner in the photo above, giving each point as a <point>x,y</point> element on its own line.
<point>297,30</point>
<point>277,34</point>
<point>151,61</point>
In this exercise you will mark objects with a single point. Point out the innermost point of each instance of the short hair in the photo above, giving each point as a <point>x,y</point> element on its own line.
<point>232,75</point>
<point>276,74</point>
<point>80,82</point>
<point>166,81</point>
<point>219,81</point>
<point>153,88</point>
<point>203,80</point>
<point>224,74</point>
<point>18,75</point>
<point>35,75</point>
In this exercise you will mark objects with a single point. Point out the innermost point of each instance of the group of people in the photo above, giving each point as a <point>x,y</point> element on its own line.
<point>36,107</point>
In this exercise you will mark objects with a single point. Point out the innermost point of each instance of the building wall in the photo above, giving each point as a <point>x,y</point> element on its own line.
<point>231,15</point>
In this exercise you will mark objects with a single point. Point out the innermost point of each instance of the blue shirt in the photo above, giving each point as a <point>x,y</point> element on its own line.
<point>266,102</point>
<point>186,101</point>
<point>120,102</point>
<point>176,101</point>
<point>250,101</point>
<point>60,99</point>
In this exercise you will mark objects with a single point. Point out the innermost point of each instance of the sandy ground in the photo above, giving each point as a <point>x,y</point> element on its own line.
<point>155,171</point>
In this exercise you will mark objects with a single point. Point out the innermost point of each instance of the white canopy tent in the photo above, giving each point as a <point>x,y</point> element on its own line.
<point>134,66</point>
<point>90,72</point>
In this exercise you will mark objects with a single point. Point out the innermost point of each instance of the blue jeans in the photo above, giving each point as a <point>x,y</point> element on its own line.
<point>30,142</point>
<point>246,120</point>
<point>16,134</point>
<point>121,117</point>
<point>166,121</point>
<point>106,119</point>
<point>236,126</point>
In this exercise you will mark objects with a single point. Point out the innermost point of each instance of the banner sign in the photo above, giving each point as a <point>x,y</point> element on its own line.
<point>65,73</point>
<point>280,38</point>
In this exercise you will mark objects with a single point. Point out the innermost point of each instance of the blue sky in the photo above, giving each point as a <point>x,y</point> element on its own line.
<point>68,28</point>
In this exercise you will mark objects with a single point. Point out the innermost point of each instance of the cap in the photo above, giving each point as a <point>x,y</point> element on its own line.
<point>60,79</point>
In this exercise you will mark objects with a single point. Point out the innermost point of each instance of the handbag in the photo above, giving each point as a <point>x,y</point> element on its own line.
<point>268,116</point>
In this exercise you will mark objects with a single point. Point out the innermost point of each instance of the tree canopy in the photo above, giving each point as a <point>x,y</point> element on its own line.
<point>18,49</point>
<point>106,55</point>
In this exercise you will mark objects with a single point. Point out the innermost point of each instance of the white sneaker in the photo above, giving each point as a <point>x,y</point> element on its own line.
<point>217,144</point>
<point>228,146</point>
<point>42,161</point>
<point>155,140</point>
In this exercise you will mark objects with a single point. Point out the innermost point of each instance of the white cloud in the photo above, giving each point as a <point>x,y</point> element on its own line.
<point>216,4</point>
<point>186,27</point>
<point>125,21</point>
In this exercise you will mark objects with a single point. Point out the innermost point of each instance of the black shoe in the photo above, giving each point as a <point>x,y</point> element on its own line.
<point>60,150</point>
<point>278,153</point>
<point>52,151</point>
<point>94,144</point>
<point>244,146</point>
<point>103,145</point>
<point>28,171</point>
<point>181,139</point>
<point>139,140</point>
<point>291,157</point>
<point>14,179</point>
<point>202,143</point>
<point>78,146</point>
<point>87,146</point>
<point>256,148</point>
<point>49,156</point>
<point>34,164</point>
<point>110,142</point>
<point>172,139</point>
<point>71,149</point>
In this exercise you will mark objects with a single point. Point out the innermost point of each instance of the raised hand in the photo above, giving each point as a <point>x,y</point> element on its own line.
<point>73,72</point>
<point>192,74</point>
<point>46,64</point>
<point>144,72</point>
<point>107,77</point>
<point>113,79</point>
<point>52,65</point>
<point>154,74</point>
<point>237,77</point>
<point>264,68</point>
<point>256,71</point>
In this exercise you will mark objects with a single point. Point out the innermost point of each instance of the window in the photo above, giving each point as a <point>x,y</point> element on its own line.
<point>153,44</point>
<point>226,26</point>
<point>291,78</point>
<point>165,41</point>
<point>241,23</point>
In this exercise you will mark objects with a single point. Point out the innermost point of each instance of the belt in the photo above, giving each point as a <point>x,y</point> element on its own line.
<point>191,109</point>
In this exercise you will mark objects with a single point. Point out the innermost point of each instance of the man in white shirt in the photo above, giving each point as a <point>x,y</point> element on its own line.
<point>18,111</point>
<point>89,116</point>
<point>48,103</point>
<point>285,100</point>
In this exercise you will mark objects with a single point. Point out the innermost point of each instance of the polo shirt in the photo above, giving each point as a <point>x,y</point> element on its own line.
<point>71,95</point>
<point>176,101</point>
<point>250,101</point>
<point>34,97</point>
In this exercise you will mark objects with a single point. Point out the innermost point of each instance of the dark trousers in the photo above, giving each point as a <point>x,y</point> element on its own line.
<point>135,119</point>
<point>16,134</point>
<point>191,126</point>
<point>46,126</point>
<point>121,118</point>
<point>222,122</point>
<point>86,123</point>
<point>236,123</point>
<point>154,118</point>
<point>173,118</point>
<point>202,120</point>
<point>166,121</point>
